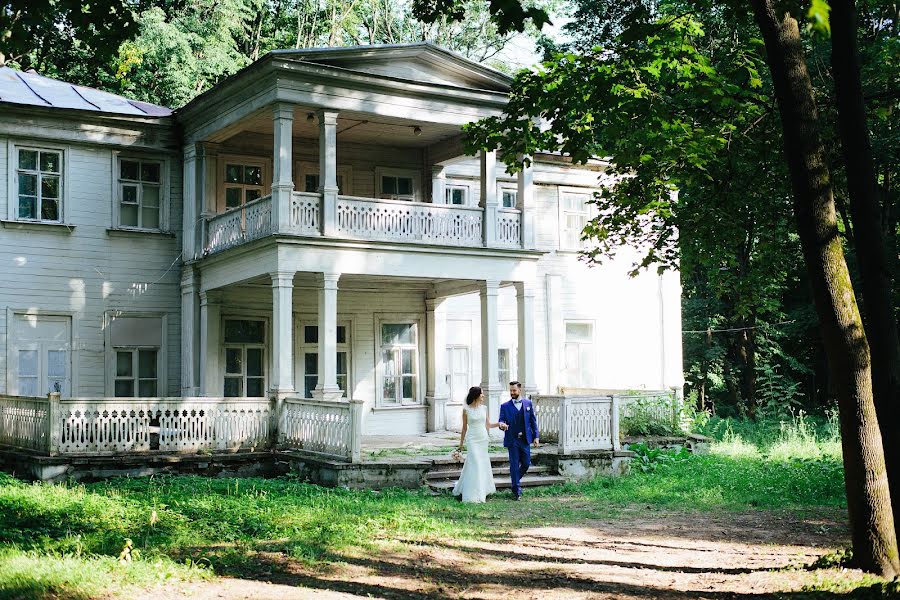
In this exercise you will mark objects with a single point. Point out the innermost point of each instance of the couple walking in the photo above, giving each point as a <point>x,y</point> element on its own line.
<point>517,420</point>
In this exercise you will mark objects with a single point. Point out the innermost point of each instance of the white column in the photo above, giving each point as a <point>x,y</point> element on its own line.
<point>282,332</point>
<point>207,170</point>
<point>212,379</point>
<point>327,388</point>
<point>190,333</point>
<point>489,197</point>
<point>437,393</point>
<point>490,291</point>
<point>328,170</point>
<point>525,315</point>
<point>282,164</point>
<point>525,201</point>
<point>555,332</point>
<point>189,241</point>
<point>438,184</point>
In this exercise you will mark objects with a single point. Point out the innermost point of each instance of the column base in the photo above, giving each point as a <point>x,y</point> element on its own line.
<point>436,419</point>
<point>328,394</point>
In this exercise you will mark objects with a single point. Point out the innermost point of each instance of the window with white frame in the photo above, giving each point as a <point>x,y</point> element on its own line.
<point>40,355</point>
<point>245,358</point>
<point>308,178</point>
<point>243,183</point>
<point>508,196</point>
<point>457,194</point>
<point>39,185</point>
<point>309,357</point>
<point>458,373</point>
<point>399,381</point>
<point>504,365</point>
<point>574,215</point>
<point>397,184</point>
<point>136,344</point>
<point>140,193</point>
<point>578,369</point>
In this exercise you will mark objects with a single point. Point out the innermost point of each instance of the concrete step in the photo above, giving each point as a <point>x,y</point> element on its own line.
<point>454,474</point>
<point>504,483</point>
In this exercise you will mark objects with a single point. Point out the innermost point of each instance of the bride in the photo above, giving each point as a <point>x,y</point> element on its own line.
<point>477,478</point>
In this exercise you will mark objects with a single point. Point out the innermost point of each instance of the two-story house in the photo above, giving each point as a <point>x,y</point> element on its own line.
<point>308,228</point>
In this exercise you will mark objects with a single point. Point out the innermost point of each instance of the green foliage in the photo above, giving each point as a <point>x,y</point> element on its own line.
<point>648,459</point>
<point>651,415</point>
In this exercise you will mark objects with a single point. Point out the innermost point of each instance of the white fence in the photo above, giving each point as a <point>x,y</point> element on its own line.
<point>108,426</point>
<point>401,221</point>
<point>509,227</point>
<point>237,226</point>
<point>578,423</point>
<point>305,214</point>
<point>656,411</point>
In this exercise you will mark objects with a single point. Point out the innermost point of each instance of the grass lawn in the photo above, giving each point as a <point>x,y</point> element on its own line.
<point>81,541</point>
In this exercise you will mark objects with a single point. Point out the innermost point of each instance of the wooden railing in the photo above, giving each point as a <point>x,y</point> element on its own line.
<point>578,423</point>
<point>25,422</point>
<point>238,226</point>
<point>305,213</point>
<point>332,429</point>
<point>509,227</point>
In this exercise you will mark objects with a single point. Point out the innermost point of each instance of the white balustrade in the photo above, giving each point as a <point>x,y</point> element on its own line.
<point>317,426</point>
<point>25,422</point>
<point>237,226</point>
<point>509,227</point>
<point>401,221</point>
<point>655,407</point>
<point>586,423</point>
<point>546,409</point>
<point>305,214</point>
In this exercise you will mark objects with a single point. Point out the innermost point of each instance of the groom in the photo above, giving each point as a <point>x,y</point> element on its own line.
<point>517,414</point>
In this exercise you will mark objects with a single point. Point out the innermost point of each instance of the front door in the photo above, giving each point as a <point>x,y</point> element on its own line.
<point>41,355</point>
<point>459,381</point>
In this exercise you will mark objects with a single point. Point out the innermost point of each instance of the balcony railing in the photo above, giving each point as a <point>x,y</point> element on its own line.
<point>358,218</point>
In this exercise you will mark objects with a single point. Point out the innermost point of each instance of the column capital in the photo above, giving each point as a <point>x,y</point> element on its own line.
<point>190,278</point>
<point>489,286</point>
<point>328,280</point>
<point>207,149</point>
<point>190,151</point>
<point>525,288</point>
<point>211,297</point>
<point>282,110</point>
<point>282,278</point>
<point>327,117</point>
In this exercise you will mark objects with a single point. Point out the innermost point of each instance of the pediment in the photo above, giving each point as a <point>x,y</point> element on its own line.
<point>423,62</point>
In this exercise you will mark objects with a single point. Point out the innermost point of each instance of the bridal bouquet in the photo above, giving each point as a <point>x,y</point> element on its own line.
<point>456,455</point>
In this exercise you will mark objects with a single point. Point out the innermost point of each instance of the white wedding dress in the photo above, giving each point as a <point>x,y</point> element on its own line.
<point>477,479</point>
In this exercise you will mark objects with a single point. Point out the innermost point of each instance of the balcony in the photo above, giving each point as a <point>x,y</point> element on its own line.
<point>367,219</point>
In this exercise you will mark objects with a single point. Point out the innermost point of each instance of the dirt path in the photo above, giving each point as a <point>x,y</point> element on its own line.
<point>640,554</point>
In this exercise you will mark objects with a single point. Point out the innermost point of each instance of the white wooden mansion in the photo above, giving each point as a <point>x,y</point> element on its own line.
<point>307,244</point>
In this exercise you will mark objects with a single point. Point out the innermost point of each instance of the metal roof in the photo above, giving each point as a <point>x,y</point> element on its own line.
<point>33,89</point>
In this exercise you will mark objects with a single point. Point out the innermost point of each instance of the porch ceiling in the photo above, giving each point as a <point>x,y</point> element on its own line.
<point>359,128</point>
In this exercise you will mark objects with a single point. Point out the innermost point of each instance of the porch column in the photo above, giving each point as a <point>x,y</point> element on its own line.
<point>328,170</point>
<point>436,394</point>
<point>282,165</point>
<point>190,333</point>
<point>211,377</point>
<point>190,195</point>
<point>525,201</point>
<point>489,197</point>
<point>525,315</point>
<point>282,332</point>
<point>490,290</point>
<point>438,184</point>
<point>327,388</point>
<point>555,332</point>
<point>207,176</point>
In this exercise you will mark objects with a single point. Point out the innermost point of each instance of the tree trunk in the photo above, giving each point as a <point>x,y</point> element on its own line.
<point>881,329</point>
<point>868,498</point>
<point>747,354</point>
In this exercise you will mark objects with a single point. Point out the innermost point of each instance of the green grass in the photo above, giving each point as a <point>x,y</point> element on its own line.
<point>65,540</point>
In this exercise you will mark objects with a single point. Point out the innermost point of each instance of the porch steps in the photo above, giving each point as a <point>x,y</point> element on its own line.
<point>443,477</point>
<point>504,482</point>
<point>437,475</point>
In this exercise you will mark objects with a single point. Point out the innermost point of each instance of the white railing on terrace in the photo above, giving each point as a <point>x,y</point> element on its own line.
<point>509,227</point>
<point>305,214</point>
<point>402,221</point>
<point>578,423</point>
<point>333,429</point>
<point>238,226</point>
<point>25,422</point>
<point>659,408</point>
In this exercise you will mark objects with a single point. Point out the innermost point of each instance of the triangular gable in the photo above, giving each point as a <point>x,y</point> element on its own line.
<point>422,62</point>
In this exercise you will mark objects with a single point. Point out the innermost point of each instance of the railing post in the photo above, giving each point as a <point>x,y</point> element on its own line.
<point>564,404</point>
<point>54,418</point>
<point>614,426</point>
<point>489,197</point>
<point>277,408</point>
<point>356,414</point>
<point>328,171</point>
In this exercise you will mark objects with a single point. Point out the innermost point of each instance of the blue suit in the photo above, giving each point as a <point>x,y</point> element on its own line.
<point>522,431</point>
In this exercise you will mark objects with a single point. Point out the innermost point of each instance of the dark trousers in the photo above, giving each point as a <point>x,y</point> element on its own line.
<point>519,461</point>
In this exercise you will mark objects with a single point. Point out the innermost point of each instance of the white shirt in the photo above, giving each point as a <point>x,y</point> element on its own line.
<point>517,403</point>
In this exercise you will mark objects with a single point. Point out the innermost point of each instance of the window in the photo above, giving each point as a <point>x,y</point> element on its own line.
<point>136,352</point>
<point>243,183</point>
<point>309,353</point>
<point>397,184</point>
<point>503,365</point>
<point>399,363</point>
<point>578,369</point>
<point>137,373</point>
<point>308,176</point>
<point>140,193</point>
<point>40,355</point>
<point>245,365</point>
<point>39,182</point>
<point>574,215</point>
<point>457,194</point>
<point>458,375</point>
<point>508,197</point>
